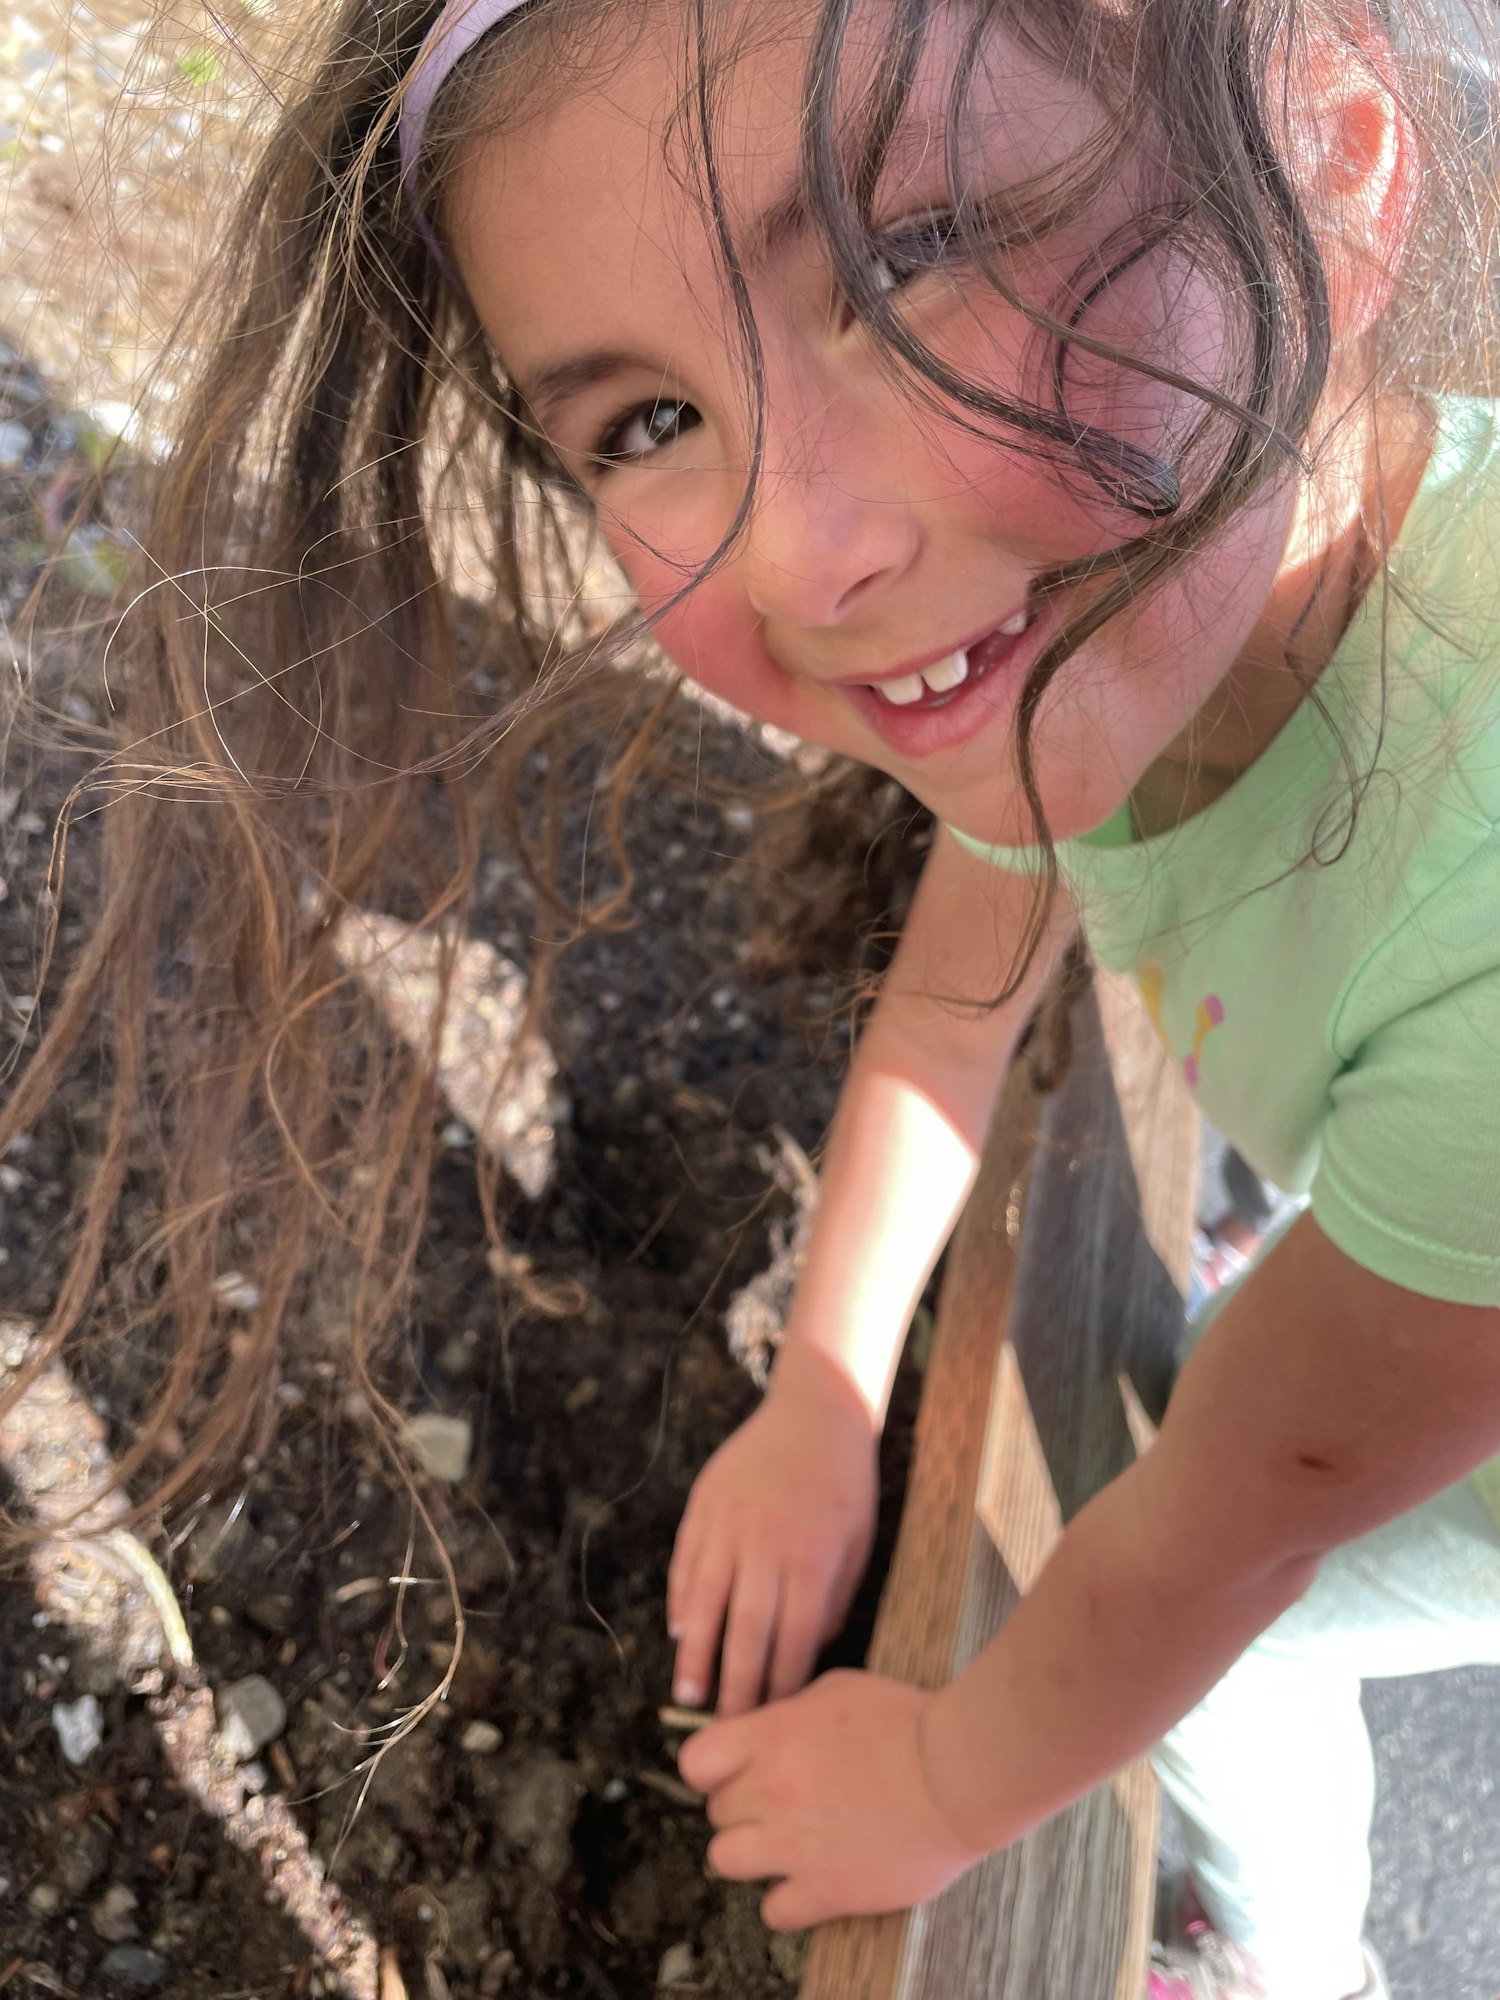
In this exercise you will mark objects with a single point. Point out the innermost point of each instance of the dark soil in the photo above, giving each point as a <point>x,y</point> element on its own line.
<point>553,1853</point>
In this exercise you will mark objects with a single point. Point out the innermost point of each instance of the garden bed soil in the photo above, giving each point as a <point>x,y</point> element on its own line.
<point>529,1837</point>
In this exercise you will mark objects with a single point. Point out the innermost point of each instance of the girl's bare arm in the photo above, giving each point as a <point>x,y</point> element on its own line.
<point>778,1526</point>
<point>1324,1402</point>
<point>912,1118</point>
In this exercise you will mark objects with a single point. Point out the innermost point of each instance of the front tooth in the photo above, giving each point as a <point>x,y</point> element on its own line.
<point>1014,625</point>
<point>902,692</point>
<point>949,673</point>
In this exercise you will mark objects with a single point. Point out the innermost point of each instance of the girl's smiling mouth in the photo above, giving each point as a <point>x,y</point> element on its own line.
<point>942,702</point>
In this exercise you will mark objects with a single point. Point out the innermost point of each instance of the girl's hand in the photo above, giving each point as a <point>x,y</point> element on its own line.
<point>775,1537</point>
<point>828,1793</point>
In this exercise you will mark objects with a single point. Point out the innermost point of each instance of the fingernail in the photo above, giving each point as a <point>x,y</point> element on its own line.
<point>688,1693</point>
<point>674,1629</point>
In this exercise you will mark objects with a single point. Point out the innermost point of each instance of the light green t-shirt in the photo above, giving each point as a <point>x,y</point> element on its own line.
<point>1341,1024</point>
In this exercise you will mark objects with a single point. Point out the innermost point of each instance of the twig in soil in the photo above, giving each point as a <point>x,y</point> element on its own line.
<point>173,1624</point>
<point>38,1975</point>
<point>118,1549</point>
<point>358,1586</point>
<point>684,1720</point>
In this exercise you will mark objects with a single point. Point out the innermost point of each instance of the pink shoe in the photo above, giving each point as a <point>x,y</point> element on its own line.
<point>1196,1963</point>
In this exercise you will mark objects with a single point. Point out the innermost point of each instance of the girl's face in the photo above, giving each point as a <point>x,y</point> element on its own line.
<point>887,552</point>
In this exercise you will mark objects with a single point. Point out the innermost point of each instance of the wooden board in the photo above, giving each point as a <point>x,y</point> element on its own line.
<point>1050,1362</point>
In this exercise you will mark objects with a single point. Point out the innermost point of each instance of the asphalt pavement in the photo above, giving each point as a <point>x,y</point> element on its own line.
<point>1435,1913</point>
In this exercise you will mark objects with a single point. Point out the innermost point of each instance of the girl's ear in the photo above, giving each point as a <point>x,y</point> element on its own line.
<point>1364,174</point>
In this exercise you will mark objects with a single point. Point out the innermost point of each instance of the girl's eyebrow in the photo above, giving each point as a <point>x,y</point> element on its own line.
<point>784,219</point>
<point>580,371</point>
<point>781,222</point>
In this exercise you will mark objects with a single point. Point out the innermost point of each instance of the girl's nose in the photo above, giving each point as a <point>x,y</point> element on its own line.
<point>830,527</point>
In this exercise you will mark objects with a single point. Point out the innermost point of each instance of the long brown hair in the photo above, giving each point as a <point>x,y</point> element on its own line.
<point>299,736</point>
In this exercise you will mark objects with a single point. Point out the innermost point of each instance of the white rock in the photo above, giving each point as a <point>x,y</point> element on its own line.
<point>15,442</point>
<point>251,1715</point>
<point>236,1292</point>
<point>480,1738</point>
<point>442,1445</point>
<point>116,420</point>
<point>80,1727</point>
<point>113,1916</point>
<point>677,1967</point>
<point>15,1341</point>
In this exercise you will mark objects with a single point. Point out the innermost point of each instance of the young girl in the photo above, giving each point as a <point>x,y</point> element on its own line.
<point>1058,408</point>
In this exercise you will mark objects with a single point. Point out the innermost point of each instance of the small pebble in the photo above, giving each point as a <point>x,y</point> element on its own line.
<point>236,1293</point>
<point>677,1966</point>
<point>15,1345</point>
<point>442,1445</point>
<point>113,1916</point>
<point>15,442</point>
<point>132,1965</point>
<point>615,1791</point>
<point>80,1727</point>
<point>116,420</point>
<point>251,1715</point>
<point>480,1738</point>
<point>45,1899</point>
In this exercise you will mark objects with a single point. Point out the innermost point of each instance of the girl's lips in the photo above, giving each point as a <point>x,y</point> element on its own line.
<point>997,667</point>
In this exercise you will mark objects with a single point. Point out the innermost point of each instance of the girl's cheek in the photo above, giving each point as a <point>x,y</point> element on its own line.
<point>712,636</point>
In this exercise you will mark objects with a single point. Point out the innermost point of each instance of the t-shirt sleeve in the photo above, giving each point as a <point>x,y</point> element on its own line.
<point>1409,1180</point>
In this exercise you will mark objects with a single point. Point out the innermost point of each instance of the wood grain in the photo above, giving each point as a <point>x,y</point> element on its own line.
<point>1050,1364</point>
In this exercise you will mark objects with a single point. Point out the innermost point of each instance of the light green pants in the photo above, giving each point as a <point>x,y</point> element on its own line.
<point>1273,1774</point>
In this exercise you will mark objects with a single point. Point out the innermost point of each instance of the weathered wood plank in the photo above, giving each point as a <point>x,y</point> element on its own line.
<point>1065,1276</point>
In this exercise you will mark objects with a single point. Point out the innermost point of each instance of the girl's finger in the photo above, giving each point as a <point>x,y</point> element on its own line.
<point>717,1754</point>
<point>799,1634</point>
<point>740,1854</point>
<point>731,1803</point>
<point>701,1623</point>
<point>791,1906</point>
<point>680,1572</point>
<point>747,1642</point>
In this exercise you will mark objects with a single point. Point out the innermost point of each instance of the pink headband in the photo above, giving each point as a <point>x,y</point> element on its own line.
<point>455,31</point>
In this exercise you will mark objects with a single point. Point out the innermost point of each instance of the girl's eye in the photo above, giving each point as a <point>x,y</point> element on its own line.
<point>914,246</point>
<point>644,430</point>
